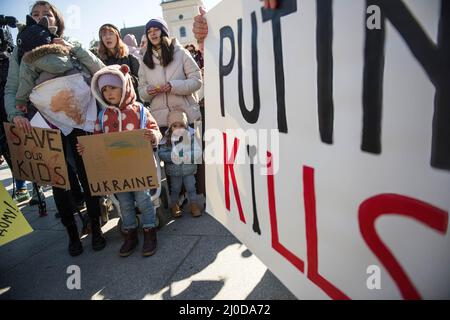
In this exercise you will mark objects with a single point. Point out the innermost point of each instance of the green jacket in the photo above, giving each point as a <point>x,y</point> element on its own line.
<point>43,63</point>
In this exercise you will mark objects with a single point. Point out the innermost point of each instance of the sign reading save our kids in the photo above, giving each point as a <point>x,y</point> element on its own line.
<point>327,142</point>
<point>37,156</point>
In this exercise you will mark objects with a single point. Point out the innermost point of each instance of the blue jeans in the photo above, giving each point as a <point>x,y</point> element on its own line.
<point>144,204</point>
<point>20,184</point>
<point>189,184</point>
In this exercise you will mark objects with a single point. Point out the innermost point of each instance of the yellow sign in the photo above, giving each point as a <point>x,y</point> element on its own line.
<point>13,224</point>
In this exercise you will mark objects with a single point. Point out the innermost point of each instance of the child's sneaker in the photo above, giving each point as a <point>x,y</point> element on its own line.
<point>34,198</point>
<point>43,213</point>
<point>22,195</point>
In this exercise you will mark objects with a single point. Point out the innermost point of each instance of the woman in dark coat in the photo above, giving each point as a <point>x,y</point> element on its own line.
<point>112,50</point>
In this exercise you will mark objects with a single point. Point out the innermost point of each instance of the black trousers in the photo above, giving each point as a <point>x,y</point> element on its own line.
<point>63,198</point>
<point>75,188</point>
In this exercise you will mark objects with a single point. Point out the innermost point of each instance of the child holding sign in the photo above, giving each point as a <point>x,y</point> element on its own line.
<point>113,88</point>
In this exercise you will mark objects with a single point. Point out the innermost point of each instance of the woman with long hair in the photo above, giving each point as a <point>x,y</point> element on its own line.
<point>169,77</point>
<point>112,50</point>
<point>52,55</point>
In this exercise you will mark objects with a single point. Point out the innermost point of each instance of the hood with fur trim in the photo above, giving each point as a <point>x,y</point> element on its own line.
<point>128,93</point>
<point>42,51</point>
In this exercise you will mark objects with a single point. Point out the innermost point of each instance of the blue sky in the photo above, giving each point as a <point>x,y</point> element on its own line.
<point>94,13</point>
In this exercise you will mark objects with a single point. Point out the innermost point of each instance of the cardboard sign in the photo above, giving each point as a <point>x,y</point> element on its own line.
<point>327,142</point>
<point>37,156</point>
<point>13,224</point>
<point>119,162</point>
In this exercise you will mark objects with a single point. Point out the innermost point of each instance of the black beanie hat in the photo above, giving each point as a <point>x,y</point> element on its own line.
<point>157,23</point>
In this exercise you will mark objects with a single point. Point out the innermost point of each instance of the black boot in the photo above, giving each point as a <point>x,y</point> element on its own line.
<point>75,246</point>
<point>98,241</point>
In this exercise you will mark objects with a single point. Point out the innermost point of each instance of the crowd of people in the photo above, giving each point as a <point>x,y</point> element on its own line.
<point>124,87</point>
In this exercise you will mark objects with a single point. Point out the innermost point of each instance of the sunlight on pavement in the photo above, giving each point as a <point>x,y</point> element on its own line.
<point>111,224</point>
<point>170,222</point>
<point>158,295</point>
<point>4,290</point>
<point>238,283</point>
<point>98,295</point>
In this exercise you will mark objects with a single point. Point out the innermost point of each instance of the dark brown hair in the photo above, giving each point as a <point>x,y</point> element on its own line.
<point>58,16</point>
<point>121,49</point>
<point>190,46</point>
<point>167,51</point>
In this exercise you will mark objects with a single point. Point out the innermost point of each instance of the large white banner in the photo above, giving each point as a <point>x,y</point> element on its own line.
<point>334,120</point>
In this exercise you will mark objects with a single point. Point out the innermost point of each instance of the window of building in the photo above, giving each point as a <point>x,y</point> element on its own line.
<point>182,32</point>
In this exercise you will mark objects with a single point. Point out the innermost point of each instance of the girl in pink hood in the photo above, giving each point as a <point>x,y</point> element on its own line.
<point>113,88</point>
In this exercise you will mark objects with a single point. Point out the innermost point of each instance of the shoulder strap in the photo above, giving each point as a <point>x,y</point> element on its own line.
<point>100,119</point>
<point>143,116</point>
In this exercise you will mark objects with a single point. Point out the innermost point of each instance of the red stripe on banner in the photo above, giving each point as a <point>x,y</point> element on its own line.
<point>394,204</point>
<point>292,258</point>
<point>309,197</point>
<point>229,169</point>
<point>225,173</point>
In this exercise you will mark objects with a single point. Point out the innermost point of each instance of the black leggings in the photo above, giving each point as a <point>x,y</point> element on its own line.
<point>63,198</point>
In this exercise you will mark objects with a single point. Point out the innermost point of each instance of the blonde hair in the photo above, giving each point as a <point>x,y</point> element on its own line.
<point>121,49</point>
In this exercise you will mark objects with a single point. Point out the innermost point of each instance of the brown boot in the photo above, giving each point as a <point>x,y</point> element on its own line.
<point>195,210</point>
<point>130,243</point>
<point>176,211</point>
<point>150,242</point>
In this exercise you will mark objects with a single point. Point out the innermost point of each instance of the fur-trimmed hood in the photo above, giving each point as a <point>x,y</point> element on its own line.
<point>128,93</point>
<point>39,52</point>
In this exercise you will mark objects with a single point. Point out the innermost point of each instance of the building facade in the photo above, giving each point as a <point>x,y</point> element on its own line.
<point>179,15</point>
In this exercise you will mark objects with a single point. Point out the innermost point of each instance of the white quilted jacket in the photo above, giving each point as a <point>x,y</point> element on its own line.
<point>184,76</point>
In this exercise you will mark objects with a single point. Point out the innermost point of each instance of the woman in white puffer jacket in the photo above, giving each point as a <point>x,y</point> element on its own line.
<point>168,76</point>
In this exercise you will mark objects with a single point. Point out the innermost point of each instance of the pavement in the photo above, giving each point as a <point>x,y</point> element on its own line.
<point>197,259</point>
